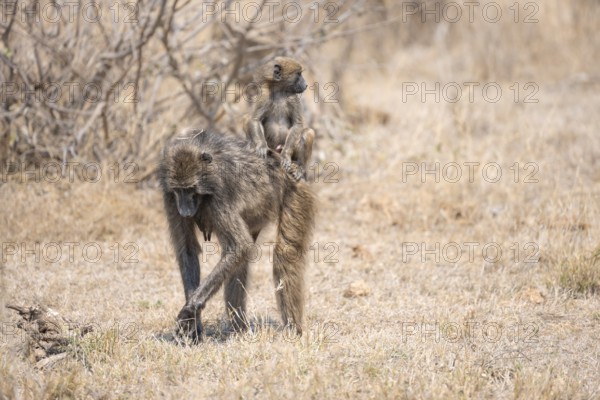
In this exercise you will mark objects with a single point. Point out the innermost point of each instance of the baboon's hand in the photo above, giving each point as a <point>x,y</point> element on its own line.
<point>189,324</point>
<point>262,150</point>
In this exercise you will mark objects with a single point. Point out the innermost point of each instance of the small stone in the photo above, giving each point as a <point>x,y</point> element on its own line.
<point>361,252</point>
<point>357,289</point>
<point>533,296</point>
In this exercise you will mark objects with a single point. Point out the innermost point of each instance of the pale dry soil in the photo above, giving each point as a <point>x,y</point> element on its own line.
<point>381,323</point>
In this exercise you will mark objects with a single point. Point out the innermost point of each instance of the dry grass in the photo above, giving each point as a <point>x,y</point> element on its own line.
<point>581,275</point>
<point>523,325</point>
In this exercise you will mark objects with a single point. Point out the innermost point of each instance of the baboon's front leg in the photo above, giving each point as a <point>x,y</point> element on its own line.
<point>235,240</point>
<point>235,298</point>
<point>235,295</point>
<point>187,250</point>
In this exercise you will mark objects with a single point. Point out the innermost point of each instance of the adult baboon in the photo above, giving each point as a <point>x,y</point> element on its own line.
<point>220,184</point>
<point>276,121</point>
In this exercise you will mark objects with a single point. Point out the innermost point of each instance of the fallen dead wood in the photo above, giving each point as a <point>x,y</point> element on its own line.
<point>50,336</point>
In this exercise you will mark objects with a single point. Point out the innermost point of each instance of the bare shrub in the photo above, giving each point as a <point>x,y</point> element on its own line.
<point>98,82</point>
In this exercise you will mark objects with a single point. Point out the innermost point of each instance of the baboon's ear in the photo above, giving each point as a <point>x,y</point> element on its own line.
<point>206,157</point>
<point>277,72</point>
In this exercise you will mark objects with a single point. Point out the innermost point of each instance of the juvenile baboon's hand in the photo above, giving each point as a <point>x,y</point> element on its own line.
<point>295,171</point>
<point>189,324</point>
<point>262,150</point>
<point>286,162</point>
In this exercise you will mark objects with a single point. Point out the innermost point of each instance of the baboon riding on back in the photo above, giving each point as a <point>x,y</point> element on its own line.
<point>219,184</point>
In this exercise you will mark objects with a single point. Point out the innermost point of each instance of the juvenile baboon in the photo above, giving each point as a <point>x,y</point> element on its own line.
<point>220,184</point>
<point>276,121</point>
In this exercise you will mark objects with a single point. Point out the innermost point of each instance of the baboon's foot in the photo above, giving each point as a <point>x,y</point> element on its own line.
<point>293,329</point>
<point>239,324</point>
<point>189,325</point>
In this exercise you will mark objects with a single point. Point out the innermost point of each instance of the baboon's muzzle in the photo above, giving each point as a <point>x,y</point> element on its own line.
<point>187,203</point>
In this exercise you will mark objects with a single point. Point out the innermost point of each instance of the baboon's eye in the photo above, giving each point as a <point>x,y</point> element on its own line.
<point>277,72</point>
<point>206,157</point>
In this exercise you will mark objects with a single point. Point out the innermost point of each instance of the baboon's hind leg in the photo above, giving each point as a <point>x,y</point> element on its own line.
<point>293,235</point>
<point>289,290</point>
<point>303,153</point>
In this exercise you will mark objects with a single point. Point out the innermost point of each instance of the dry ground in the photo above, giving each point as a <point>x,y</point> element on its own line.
<point>382,323</point>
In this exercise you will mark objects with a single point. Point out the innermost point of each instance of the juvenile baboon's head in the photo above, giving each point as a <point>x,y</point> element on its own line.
<point>189,173</point>
<point>283,73</point>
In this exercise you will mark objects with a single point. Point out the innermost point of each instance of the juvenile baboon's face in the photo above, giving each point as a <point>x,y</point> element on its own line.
<point>188,201</point>
<point>287,73</point>
<point>299,84</point>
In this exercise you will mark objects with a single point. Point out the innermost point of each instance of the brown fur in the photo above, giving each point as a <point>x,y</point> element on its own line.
<point>276,121</point>
<point>220,184</point>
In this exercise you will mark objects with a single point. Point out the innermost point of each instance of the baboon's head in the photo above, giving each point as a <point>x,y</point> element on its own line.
<point>284,73</point>
<point>189,174</point>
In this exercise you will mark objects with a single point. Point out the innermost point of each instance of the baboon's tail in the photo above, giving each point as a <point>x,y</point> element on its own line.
<point>294,232</point>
